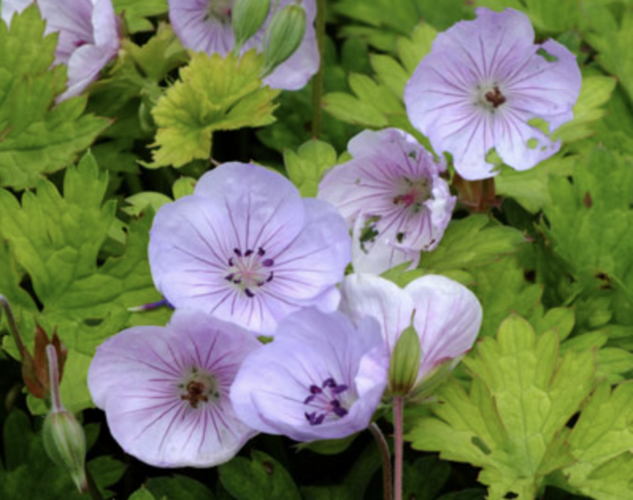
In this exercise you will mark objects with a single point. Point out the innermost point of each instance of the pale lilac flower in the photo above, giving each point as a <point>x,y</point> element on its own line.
<point>447,315</point>
<point>320,378</point>
<point>88,36</point>
<point>392,197</point>
<point>205,25</point>
<point>165,390</point>
<point>247,249</point>
<point>482,82</point>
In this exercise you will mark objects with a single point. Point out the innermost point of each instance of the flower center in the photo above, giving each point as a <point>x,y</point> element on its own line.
<point>490,97</point>
<point>325,400</point>
<point>249,270</point>
<point>414,194</point>
<point>220,10</point>
<point>198,388</point>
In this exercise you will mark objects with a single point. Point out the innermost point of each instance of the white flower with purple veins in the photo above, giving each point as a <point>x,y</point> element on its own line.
<point>392,197</point>
<point>88,36</point>
<point>447,315</point>
<point>247,249</point>
<point>321,378</point>
<point>165,390</point>
<point>205,25</point>
<point>482,83</point>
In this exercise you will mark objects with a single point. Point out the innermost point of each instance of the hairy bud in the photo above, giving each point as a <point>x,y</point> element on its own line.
<point>405,363</point>
<point>283,36</point>
<point>247,18</point>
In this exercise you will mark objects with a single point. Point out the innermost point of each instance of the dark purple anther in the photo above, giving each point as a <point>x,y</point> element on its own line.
<point>339,388</point>
<point>231,261</point>
<point>309,399</point>
<point>229,277</point>
<point>268,262</point>
<point>270,277</point>
<point>339,411</point>
<point>261,252</point>
<point>248,293</point>
<point>237,281</point>
<point>329,382</point>
<point>248,253</point>
<point>315,389</point>
<point>237,252</point>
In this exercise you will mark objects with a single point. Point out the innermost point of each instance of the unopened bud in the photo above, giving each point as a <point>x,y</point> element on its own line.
<point>64,438</point>
<point>247,18</point>
<point>283,36</point>
<point>65,444</point>
<point>405,363</point>
<point>433,379</point>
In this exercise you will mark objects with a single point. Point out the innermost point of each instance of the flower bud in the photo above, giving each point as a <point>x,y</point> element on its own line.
<point>65,444</point>
<point>64,438</point>
<point>405,363</point>
<point>433,379</point>
<point>247,18</point>
<point>283,36</point>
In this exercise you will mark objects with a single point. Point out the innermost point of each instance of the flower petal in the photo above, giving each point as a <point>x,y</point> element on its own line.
<point>447,319</point>
<point>197,31</point>
<point>368,295</point>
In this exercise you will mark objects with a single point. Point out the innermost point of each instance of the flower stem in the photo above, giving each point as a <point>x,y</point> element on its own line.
<point>317,82</point>
<point>13,326</point>
<point>385,454</point>
<point>93,489</point>
<point>398,406</point>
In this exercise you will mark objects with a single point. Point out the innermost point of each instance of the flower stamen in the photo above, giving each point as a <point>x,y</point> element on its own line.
<point>326,404</point>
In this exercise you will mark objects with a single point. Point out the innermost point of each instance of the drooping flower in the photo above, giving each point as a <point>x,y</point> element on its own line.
<point>205,25</point>
<point>482,83</point>
<point>88,36</point>
<point>247,249</point>
<point>392,196</point>
<point>165,391</point>
<point>320,378</point>
<point>446,315</point>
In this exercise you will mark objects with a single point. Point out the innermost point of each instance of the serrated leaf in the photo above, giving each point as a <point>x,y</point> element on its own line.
<point>471,242</point>
<point>57,240</point>
<point>306,167</point>
<point>37,137</point>
<point>136,12</point>
<point>213,93</point>
<point>601,441</point>
<point>352,110</point>
<point>512,423</point>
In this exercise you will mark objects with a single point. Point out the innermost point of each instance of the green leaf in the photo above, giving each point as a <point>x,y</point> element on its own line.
<point>260,478</point>
<point>595,92</point>
<point>352,110</point>
<point>471,242</point>
<point>57,241</point>
<point>602,441</point>
<point>143,494</point>
<point>136,12</point>
<point>306,167</point>
<point>36,136</point>
<point>178,488</point>
<point>530,188</point>
<point>424,478</point>
<point>512,423</point>
<point>549,16</point>
<point>213,94</point>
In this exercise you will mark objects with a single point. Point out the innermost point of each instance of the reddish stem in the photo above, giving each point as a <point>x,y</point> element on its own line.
<point>398,407</point>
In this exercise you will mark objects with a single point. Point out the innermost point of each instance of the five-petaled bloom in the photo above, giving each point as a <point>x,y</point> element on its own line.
<point>88,36</point>
<point>392,196</point>
<point>446,315</point>
<point>205,25</point>
<point>320,378</point>
<point>247,249</point>
<point>480,86</point>
<point>165,391</point>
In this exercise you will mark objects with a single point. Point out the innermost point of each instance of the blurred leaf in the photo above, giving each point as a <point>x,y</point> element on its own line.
<point>178,488</point>
<point>136,12</point>
<point>424,478</point>
<point>260,478</point>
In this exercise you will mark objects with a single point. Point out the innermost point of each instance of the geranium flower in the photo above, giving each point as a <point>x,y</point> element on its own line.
<point>392,196</point>
<point>205,25</point>
<point>247,249</point>
<point>447,315</point>
<point>88,36</point>
<point>320,378</point>
<point>165,391</point>
<point>481,84</point>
